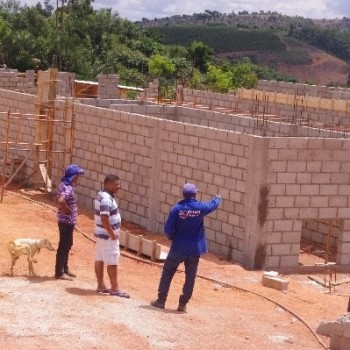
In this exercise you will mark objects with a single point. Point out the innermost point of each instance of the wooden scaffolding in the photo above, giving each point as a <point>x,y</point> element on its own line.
<point>39,152</point>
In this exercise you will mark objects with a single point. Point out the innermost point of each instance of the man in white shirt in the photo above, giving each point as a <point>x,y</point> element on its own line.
<point>107,230</point>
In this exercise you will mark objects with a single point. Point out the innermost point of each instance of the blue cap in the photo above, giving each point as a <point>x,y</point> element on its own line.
<point>71,171</point>
<point>189,189</point>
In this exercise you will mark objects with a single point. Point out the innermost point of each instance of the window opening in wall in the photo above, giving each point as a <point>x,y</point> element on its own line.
<point>319,239</point>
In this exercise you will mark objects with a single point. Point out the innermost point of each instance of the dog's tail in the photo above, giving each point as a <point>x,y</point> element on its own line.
<point>11,247</point>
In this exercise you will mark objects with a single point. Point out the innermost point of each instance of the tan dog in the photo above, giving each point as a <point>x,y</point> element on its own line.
<point>29,247</point>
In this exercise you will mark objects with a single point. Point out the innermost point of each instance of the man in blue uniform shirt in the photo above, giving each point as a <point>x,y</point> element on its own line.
<point>185,228</point>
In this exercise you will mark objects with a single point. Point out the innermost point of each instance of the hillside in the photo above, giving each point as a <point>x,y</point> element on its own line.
<point>274,49</point>
<point>269,39</point>
<point>305,63</point>
<point>322,68</point>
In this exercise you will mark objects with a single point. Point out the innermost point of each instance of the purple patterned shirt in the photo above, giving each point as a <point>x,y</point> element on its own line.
<point>68,192</point>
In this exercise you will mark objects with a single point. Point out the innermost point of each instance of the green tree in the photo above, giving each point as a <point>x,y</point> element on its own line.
<point>161,66</point>
<point>243,75</point>
<point>220,79</point>
<point>199,54</point>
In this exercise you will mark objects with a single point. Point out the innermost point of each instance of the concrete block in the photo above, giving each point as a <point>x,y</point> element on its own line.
<point>297,166</point>
<point>346,329</point>
<point>290,260</point>
<point>142,246</point>
<point>281,249</point>
<point>275,282</point>
<point>319,202</point>
<point>286,178</point>
<point>330,328</point>
<point>278,166</point>
<point>285,202</point>
<point>292,189</point>
<point>340,201</point>
<point>283,225</point>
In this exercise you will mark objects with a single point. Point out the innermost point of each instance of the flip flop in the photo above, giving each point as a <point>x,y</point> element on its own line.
<point>119,294</point>
<point>103,291</point>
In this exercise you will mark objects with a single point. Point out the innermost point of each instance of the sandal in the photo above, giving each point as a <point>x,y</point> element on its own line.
<point>103,291</point>
<point>119,294</point>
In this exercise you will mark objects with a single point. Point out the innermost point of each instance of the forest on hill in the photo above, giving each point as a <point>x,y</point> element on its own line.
<point>222,38</point>
<point>77,38</point>
<point>254,34</point>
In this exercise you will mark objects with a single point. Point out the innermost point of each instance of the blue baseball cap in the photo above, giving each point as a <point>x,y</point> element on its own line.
<point>71,171</point>
<point>189,189</point>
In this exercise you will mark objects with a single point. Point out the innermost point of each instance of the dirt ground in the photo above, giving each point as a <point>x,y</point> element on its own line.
<point>230,308</point>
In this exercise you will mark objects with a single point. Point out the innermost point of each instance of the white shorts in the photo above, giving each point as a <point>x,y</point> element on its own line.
<point>107,251</point>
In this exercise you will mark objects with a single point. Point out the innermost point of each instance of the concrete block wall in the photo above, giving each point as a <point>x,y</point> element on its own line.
<point>321,232</point>
<point>195,98</point>
<point>10,80</point>
<point>217,161</point>
<point>270,185</point>
<point>318,112</point>
<point>21,129</point>
<point>110,103</point>
<point>235,122</point>
<point>108,141</point>
<point>16,102</point>
<point>307,179</point>
<point>107,86</point>
<point>154,158</point>
<point>151,110</point>
<point>246,123</point>
<point>340,93</point>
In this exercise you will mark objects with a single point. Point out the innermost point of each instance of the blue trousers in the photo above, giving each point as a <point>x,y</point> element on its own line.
<point>64,246</point>
<point>170,266</point>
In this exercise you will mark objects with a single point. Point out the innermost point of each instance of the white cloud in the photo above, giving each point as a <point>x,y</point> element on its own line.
<point>137,9</point>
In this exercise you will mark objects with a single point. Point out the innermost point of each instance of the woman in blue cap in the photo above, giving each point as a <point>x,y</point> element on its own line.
<point>67,211</point>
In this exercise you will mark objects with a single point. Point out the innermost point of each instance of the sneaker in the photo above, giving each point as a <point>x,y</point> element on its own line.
<point>158,304</point>
<point>181,308</point>
<point>70,274</point>
<point>63,277</point>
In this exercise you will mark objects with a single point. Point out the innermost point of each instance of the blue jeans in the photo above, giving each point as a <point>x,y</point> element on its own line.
<point>170,266</point>
<point>64,246</point>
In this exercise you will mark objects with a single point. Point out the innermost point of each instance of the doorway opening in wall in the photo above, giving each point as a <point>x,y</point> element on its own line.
<point>318,245</point>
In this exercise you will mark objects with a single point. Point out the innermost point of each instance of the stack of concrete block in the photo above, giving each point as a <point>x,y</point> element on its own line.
<point>65,84</point>
<point>142,246</point>
<point>108,86</point>
<point>152,91</point>
<point>338,330</point>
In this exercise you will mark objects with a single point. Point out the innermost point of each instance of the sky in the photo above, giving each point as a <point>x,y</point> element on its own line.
<point>135,10</point>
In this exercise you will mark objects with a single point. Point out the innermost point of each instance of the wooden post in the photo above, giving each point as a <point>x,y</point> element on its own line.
<point>4,163</point>
<point>47,86</point>
<point>68,131</point>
